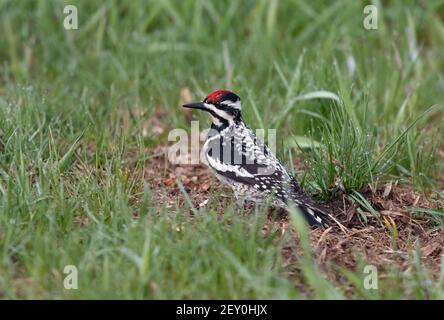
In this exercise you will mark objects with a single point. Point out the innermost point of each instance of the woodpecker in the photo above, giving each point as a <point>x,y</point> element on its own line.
<point>245,163</point>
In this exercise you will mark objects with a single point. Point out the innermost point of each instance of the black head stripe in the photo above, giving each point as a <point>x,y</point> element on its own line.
<point>231,96</point>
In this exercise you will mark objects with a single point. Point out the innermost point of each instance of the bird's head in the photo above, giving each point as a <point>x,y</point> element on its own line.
<point>224,107</point>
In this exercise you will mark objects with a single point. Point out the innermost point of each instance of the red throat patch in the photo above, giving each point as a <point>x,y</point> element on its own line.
<point>217,95</point>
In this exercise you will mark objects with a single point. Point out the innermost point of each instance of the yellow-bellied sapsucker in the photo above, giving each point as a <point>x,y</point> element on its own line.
<point>241,160</point>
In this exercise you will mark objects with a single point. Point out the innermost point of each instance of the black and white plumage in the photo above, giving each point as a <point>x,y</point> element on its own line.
<point>241,160</point>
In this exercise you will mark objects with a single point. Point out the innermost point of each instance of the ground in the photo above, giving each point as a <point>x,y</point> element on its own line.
<point>91,207</point>
<point>345,242</point>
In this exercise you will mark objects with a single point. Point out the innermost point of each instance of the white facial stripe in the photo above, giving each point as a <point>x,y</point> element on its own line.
<point>223,114</point>
<point>210,107</point>
<point>236,105</point>
<point>216,121</point>
<point>219,112</point>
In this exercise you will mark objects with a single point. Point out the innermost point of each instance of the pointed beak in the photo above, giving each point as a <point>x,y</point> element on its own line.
<point>196,105</point>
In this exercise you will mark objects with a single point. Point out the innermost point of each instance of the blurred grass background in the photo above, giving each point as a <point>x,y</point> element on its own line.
<point>82,96</point>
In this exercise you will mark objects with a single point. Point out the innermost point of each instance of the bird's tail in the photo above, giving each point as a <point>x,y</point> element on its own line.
<point>314,215</point>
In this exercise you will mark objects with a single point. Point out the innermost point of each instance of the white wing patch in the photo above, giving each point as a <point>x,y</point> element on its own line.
<point>223,167</point>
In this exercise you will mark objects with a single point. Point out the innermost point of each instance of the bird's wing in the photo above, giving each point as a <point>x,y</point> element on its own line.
<point>240,156</point>
<point>251,162</point>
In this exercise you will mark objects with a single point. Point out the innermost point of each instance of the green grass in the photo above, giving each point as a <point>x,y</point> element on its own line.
<point>72,150</point>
